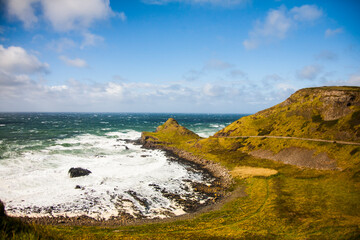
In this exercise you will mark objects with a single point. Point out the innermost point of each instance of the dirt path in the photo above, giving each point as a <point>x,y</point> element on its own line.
<point>298,138</point>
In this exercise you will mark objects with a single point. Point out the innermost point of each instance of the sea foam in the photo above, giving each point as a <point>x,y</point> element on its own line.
<point>125,178</point>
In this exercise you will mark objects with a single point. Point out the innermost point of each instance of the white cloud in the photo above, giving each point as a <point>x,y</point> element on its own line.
<point>332,32</point>
<point>23,10</point>
<point>306,13</point>
<point>63,15</point>
<point>115,89</point>
<point>309,72</point>
<point>59,88</point>
<point>275,26</point>
<point>90,40</point>
<point>76,62</point>
<point>223,3</point>
<point>278,22</point>
<point>67,15</point>
<point>16,60</point>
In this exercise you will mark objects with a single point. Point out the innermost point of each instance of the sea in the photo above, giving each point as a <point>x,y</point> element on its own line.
<point>38,149</point>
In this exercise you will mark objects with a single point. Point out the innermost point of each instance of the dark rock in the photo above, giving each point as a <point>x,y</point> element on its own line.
<point>78,172</point>
<point>2,209</point>
<point>77,187</point>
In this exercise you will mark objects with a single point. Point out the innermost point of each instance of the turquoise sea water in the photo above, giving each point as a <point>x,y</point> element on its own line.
<point>37,150</point>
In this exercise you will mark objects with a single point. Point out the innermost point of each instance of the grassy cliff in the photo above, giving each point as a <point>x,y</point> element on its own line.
<point>327,113</point>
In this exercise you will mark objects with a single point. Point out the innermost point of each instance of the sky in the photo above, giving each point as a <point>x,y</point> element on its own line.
<point>177,56</point>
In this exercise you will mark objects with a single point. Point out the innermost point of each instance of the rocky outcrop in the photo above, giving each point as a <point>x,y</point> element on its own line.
<point>172,126</point>
<point>78,172</point>
<point>169,132</point>
<point>332,103</point>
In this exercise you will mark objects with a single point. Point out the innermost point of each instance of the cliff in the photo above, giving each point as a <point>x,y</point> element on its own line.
<point>331,113</point>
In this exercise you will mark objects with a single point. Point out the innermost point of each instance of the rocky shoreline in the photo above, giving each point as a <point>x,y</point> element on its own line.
<point>215,169</point>
<point>217,192</point>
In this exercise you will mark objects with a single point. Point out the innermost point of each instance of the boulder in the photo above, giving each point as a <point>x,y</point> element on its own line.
<point>78,172</point>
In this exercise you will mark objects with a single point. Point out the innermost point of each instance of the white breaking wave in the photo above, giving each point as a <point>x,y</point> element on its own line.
<point>125,178</point>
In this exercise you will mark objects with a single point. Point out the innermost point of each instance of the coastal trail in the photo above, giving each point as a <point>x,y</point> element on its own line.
<point>297,138</point>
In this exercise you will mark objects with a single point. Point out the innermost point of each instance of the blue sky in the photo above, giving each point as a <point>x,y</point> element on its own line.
<point>201,56</point>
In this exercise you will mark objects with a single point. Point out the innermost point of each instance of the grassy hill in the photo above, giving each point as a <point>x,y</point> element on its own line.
<point>326,113</point>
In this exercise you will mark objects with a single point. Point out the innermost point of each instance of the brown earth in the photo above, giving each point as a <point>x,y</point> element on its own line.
<point>301,157</point>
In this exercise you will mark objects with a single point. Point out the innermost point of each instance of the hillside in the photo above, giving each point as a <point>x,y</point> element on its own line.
<point>323,113</point>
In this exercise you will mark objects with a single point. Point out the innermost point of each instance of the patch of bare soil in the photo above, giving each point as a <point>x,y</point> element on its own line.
<point>245,172</point>
<point>301,157</point>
